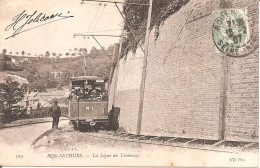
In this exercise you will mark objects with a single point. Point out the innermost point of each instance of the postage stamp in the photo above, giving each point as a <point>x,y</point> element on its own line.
<point>231,32</point>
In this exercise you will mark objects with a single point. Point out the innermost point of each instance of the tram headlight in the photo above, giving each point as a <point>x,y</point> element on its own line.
<point>92,123</point>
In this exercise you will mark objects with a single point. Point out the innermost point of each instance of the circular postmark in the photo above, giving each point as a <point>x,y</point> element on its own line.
<point>231,32</point>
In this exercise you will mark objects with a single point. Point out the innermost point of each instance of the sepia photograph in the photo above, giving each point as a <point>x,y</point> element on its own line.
<point>172,83</point>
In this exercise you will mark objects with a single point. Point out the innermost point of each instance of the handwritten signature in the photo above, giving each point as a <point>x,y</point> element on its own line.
<point>21,20</point>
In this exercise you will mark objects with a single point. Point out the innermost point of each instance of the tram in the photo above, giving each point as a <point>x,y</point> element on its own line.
<point>88,103</point>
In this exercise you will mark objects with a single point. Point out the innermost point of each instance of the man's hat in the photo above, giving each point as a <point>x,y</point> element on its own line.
<point>55,100</point>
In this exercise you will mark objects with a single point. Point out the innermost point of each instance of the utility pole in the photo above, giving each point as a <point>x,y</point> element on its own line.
<point>142,87</point>
<point>113,64</point>
<point>111,69</point>
<point>85,65</point>
<point>116,69</point>
<point>223,94</point>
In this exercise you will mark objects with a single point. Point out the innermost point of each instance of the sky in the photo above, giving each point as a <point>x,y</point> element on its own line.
<point>96,17</point>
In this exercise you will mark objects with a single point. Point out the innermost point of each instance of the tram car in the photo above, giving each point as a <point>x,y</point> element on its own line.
<point>88,104</point>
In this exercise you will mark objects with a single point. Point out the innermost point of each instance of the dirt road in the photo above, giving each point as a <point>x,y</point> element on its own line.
<point>22,134</point>
<point>15,142</point>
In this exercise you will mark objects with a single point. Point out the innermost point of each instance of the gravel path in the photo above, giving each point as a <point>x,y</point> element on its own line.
<point>107,152</point>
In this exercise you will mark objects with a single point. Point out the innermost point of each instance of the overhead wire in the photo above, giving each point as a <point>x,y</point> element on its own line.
<point>101,48</point>
<point>93,60</point>
<point>94,17</point>
<point>99,17</point>
<point>93,24</point>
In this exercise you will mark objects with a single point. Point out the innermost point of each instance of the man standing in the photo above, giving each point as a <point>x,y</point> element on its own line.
<point>56,112</point>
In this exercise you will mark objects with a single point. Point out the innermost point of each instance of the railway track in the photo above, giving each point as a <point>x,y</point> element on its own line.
<point>189,143</point>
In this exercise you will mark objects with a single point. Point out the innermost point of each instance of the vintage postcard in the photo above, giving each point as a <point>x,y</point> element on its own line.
<point>129,83</point>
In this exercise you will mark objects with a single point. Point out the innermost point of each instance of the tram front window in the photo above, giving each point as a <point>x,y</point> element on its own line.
<point>88,90</point>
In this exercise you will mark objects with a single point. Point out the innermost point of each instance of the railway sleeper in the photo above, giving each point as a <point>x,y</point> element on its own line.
<point>119,133</point>
<point>133,136</point>
<point>234,144</point>
<point>181,142</point>
<point>191,141</point>
<point>250,145</point>
<point>145,137</point>
<point>125,135</point>
<point>154,138</point>
<point>218,143</point>
<point>171,140</point>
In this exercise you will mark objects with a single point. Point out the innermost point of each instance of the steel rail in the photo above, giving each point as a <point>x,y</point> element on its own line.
<point>158,144</point>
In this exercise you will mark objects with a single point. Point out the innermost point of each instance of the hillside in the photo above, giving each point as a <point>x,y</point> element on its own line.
<point>41,71</point>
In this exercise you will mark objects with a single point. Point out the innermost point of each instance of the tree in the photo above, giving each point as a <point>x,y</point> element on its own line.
<point>75,49</point>
<point>84,51</point>
<point>24,87</point>
<point>10,53</point>
<point>47,54</point>
<point>4,51</point>
<point>50,83</point>
<point>54,54</point>
<point>67,54</point>
<point>110,49</point>
<point>80,51</point>
<point>93,50</point>
<point>17,53</point>
<point>29,54</point>
<point>11,93</point>
<point>22,52</point>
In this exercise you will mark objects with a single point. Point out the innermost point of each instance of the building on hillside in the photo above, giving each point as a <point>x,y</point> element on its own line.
<point>50,94</point>
<point>192,88</point>
<point>31,102</point>
<point>57,75</point>
<point>13,60</point>
<point>23,60</point>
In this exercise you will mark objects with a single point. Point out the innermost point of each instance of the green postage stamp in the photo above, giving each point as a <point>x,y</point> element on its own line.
<point>231,32</point>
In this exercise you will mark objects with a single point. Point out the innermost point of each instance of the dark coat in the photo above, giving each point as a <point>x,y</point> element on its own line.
<point>55,111</point>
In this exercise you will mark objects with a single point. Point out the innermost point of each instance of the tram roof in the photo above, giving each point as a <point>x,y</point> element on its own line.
<point>77,78</point>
